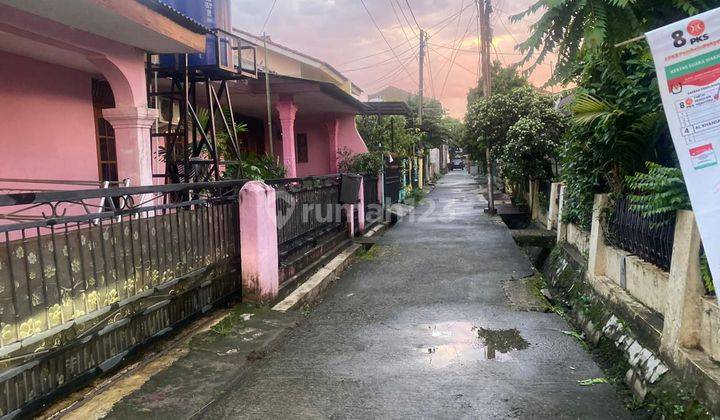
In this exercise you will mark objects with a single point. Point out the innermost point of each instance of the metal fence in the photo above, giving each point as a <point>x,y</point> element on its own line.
<point>649,238</point>
<point>307,209</point>
<point>370,190</point>
<point>88,276</point>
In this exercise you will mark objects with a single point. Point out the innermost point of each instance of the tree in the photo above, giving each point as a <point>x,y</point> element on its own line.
<point>434,133</point>
<point>377,131</point>
<point>573,29</point>
<point>618,120</point>
<point>503,80</point>
<point>524,129</point>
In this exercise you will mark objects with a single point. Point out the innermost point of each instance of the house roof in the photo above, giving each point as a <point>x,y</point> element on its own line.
<point>175,15</point>
<point>298,55</point>
<point>391,93</point>
<point>387,108</point>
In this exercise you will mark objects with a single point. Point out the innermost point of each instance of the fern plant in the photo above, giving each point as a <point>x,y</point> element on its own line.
<point>659,191</point>
<point>706,275</point>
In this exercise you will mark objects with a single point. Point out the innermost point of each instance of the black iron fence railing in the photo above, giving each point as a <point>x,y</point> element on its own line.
<point>370,190</point>
<point>649,238</point>
<point>307,209</point>
<point>88,275</point>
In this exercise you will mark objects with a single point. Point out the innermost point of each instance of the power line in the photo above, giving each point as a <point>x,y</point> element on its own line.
<point>455,54</point>
<point>457,31</point>
<point>402,11</point>
<point>383,36</point>
<point>365,67</point>
<point>430,72</point>
<point>448,20</point>
<point>268,16</point>
<point>465,50</point>
<point>397,17</point>
<point>412,14</point>
<point>392,73</point>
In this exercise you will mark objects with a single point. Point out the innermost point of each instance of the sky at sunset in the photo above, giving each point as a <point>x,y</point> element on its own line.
<point>342,33</point>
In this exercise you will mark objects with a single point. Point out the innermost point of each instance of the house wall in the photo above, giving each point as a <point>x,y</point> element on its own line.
<point>349,137</point>
<point>318,147</point>
<point>48,129</point>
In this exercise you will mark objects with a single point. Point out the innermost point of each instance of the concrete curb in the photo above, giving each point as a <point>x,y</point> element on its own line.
<point>314,286</point>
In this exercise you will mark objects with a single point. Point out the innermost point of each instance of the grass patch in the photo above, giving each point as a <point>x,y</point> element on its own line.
<point>367,254</point>
<point>414,197</point>
<point>235,318</point>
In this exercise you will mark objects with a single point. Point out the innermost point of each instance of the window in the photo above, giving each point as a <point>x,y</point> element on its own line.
<point>301,148</point>
<point>107,156</point>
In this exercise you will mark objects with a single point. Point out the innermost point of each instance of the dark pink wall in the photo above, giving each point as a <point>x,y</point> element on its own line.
<point>318,147</point>
<point>48,129</point>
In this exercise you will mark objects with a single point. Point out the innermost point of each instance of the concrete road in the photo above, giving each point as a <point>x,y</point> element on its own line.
<point>423,329</point>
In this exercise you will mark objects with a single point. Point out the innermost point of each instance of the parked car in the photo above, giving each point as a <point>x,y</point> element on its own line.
<point>457,163</point>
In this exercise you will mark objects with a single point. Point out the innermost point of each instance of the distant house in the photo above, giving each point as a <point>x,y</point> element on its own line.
<point>313,109</point>
<point>391,94</point>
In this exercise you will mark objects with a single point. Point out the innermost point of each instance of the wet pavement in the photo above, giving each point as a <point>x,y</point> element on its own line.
<point>424,329</point>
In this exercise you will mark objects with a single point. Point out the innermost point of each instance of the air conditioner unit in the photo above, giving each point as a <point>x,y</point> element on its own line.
<point>169,108</point>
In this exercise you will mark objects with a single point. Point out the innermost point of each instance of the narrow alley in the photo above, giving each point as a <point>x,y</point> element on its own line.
<point>398,335</point>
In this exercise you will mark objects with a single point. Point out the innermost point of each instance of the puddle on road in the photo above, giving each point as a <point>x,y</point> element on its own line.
<point>459,342</point>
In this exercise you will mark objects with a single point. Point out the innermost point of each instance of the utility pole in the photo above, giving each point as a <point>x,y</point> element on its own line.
<point>484,11</point>
<point>422,87</point>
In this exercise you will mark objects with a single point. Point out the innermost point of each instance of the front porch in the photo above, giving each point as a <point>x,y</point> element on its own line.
<point>311,122</point>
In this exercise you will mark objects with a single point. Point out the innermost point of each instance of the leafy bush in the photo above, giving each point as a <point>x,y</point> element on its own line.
<point>370,162</point>
<point>524,130</point>
<point>659,191</point>
<point>255,167</point>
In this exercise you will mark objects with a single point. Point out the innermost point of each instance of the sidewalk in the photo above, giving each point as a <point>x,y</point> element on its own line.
<point>422,328</point>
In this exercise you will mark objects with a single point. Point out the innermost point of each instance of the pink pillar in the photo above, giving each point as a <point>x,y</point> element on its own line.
<point>361,207</point>
<point>132,142</point>
<point>258,242</point>
<point>333,127</point>
<point>287,111</point>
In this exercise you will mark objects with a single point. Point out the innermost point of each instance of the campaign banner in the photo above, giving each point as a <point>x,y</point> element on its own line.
<point>687,59</point>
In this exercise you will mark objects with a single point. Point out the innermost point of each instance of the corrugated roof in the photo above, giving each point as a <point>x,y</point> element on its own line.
<point>176,16</point>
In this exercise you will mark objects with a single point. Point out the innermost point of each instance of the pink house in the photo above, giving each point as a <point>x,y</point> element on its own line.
<point>313,110</point>
<point>74,98</point>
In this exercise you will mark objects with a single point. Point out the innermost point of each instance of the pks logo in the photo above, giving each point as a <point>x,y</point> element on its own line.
<point>696,29</point>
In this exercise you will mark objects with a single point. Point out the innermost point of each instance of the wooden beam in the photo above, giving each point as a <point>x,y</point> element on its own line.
<point>148,18</point>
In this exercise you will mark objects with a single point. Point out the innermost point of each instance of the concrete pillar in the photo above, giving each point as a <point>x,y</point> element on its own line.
<point>561,226</point>
<point>681,326</point>
<point>258,242</point>
<point>381,188</point>
<point>553,210</point>
<point>132,142</point>
<point>420,173</point>
<point>350,216</point>
<point>535,199</point>
<point>596,257</point>
<point>287,110</point>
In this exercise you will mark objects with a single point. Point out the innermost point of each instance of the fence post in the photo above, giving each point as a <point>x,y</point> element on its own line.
<point>596,257</point>
<point>561,226</point>
<point>361,206</point>
<point>258,242</point>
<point>420,173</point>
<point>681,326</point>
<point>535,199</point>
<point>381,188</point>
<point>553,210</point>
